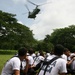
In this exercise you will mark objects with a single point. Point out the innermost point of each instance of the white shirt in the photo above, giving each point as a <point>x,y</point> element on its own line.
<point>31,60</point>
<point>33,55</point>
<point>72,54</point>
<point>56,66</point>
<point>73,63</point>
<point>23,64</point>
<point>38,59</point>
<point>12,64</point>
<point>64,57</point>
<point>47,54</point>
<point>50,57</point>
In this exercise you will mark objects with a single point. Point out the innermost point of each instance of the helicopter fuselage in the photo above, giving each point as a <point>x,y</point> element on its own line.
<point>34,13</point>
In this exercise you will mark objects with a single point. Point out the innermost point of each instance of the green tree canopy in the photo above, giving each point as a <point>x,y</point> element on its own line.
<point>13,34</point>
<point>64,36</point>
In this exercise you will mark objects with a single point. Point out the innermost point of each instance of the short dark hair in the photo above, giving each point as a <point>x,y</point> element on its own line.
<point>22,51</point>
<point>66,49</point>
<point>58,49</point>
<point>30,51</point>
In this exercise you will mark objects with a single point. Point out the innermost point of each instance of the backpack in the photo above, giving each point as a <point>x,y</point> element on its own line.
<point>38,65</point>
<point>47,63</point>
<point>33,70</point>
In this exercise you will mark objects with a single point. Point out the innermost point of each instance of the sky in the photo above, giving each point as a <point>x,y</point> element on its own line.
<point>55,14</point>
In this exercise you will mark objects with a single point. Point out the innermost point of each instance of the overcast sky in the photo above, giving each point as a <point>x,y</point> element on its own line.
<point>57,14</point>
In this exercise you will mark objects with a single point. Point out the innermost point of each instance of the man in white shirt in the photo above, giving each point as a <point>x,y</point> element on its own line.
<point>39,58</point>
<point>12,66</point>
<point>72,56</point>
<point>58,66</point>
<point>70,60</point>
<point>47,53</point>
<point>64,57</point>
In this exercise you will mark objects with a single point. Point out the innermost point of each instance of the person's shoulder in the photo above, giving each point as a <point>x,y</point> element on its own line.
<point>33,54</point>
<point>61,60</point>
<point>30,57</point>
<point>49,57</point>
<point>63,55</point>
<point>40,56</point>
<point>15,59</point>
<point>72,55</point>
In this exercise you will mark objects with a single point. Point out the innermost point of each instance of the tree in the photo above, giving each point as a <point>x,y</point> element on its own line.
<point>45,44</point>
<point>13,34</point>
<point>64,36</point>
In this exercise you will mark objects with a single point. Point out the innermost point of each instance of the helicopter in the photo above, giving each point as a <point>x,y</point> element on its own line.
<point>35,11</point>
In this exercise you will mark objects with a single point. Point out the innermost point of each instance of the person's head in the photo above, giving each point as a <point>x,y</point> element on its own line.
<point>66,51</point>
<point>30,51</point>
<point>47,51</point>
<point>41,53</point>
<point>58,49</point>
<point>22,52</point>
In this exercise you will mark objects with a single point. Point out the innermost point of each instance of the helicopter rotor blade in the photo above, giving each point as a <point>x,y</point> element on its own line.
<point>44,3</point>
<point>24,13</point>
<point>32,2</point>
<point>27,7</point>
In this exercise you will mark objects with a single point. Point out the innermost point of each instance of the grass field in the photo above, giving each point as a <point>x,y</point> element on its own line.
<point>3,59</point>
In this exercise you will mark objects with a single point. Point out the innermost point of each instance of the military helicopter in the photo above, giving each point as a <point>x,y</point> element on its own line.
<point>35,11</point>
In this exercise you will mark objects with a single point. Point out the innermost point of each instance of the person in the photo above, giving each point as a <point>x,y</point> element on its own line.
<point>32,53</point>
<point>31,60</point>
<point>58,66</point>
<point>73,63</point>
<point>39,58</point>
<point>12,66</point>
<point>47,53</point>
<point>69,60</point>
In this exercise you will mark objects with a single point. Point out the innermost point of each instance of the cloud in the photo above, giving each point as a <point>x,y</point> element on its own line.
<point>58,14</point>
<point>19,1</point>
<point>19,22</point>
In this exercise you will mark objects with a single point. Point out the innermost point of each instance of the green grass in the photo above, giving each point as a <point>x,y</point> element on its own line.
<point>9,52</point>
<point>3,59</point>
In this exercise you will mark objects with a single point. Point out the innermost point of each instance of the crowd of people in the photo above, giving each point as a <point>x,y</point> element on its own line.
<point>27,62</point>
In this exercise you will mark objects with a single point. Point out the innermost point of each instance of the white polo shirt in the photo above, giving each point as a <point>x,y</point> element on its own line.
<point>56,67</point>
<point>38,59</point>
<point>12,64</point>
